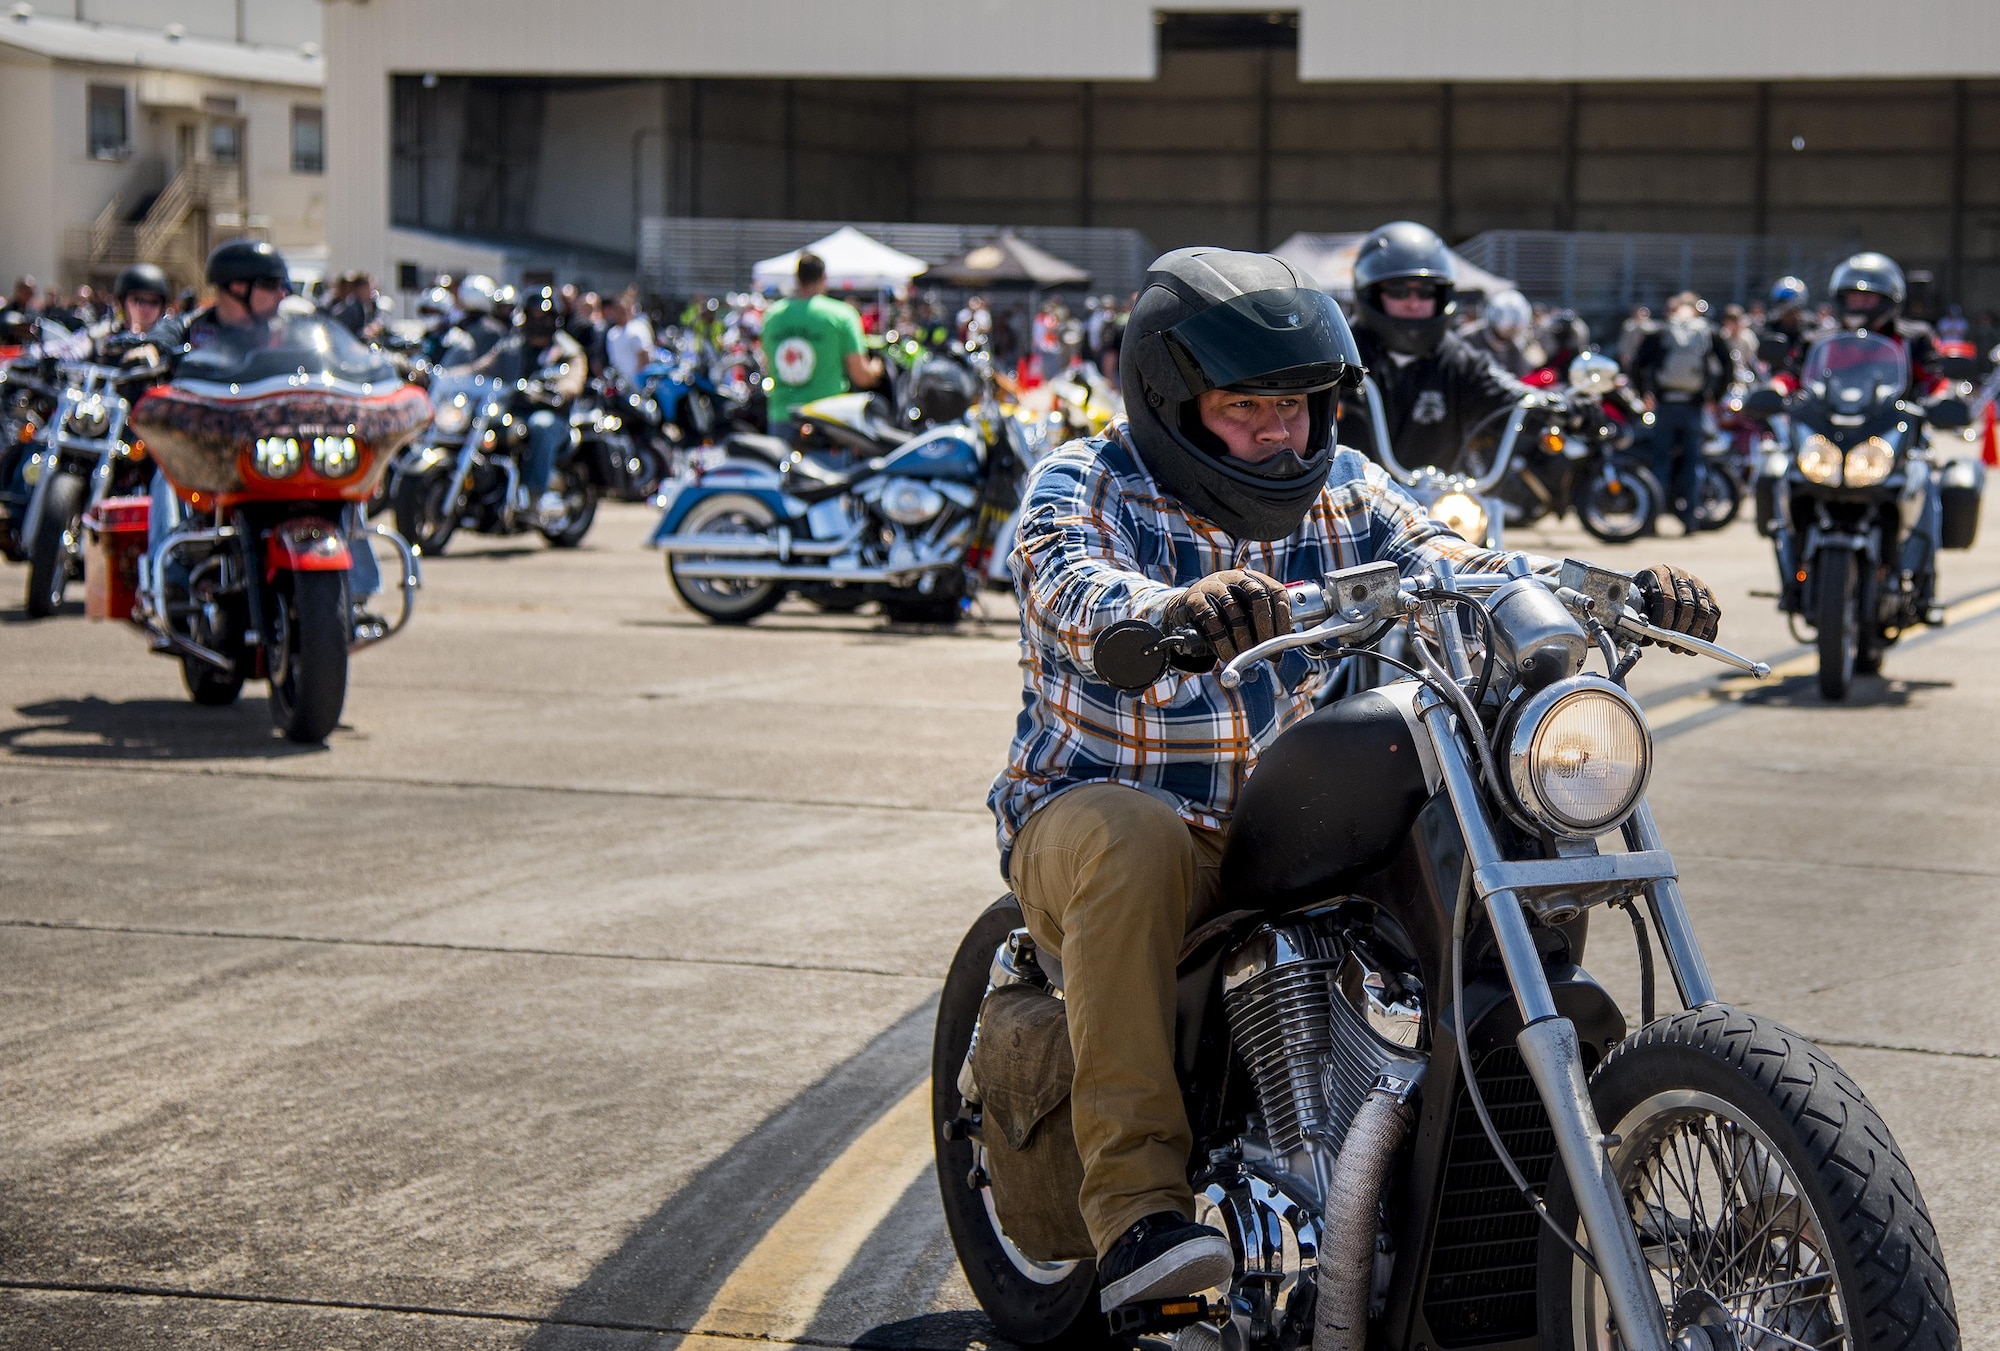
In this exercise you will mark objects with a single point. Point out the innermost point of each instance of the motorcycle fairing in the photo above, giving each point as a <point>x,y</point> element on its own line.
<point>305,544</point>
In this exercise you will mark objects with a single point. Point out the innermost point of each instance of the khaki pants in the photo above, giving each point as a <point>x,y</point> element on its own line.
<point>1113,880</point>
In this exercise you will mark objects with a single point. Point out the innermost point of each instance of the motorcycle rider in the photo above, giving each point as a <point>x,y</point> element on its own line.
<point>1436,387</point>
<point>140,293</point>
<point>478,297</point>
<point>1868,297</point>
<point>1224,484</point>
<point>249,280</point>
<point>1502,333</point>
<point>553,363</point>
<point>1681,368</point>
<point>1790,321</point>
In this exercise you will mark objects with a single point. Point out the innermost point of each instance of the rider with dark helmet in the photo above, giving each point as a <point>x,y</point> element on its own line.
<point>141,293</point>
<point>1436,387</point>
<point>1222,484</point>
<point>540,352</point>
<point>247,278</point>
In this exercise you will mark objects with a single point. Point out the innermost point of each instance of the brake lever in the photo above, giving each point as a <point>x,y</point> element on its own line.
<point>1632,626</point>
<point>1232,674</point>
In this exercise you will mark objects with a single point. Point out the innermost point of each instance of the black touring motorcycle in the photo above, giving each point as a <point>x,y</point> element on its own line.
<point>1845,501</point>
<point>1407,883</point>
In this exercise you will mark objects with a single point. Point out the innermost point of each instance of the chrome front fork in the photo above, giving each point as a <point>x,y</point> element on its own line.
<point>1548,1041</point>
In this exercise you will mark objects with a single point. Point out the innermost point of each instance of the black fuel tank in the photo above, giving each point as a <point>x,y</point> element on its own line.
<point>1329,802</point>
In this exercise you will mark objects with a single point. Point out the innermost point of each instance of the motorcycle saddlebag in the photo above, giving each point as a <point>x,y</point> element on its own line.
<point>114,539</point>
<point>1023,1067</point>
<point>1959,488</point>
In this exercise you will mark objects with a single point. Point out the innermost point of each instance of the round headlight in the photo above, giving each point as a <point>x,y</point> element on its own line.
<point>89,419</point>
<point>1870,462</point>
<point>335,456</point>
<point>1464,516</point>
<point>1579,756</point>
<point>451,419</point>
<point>278,456</point>
<point>1819,459</point>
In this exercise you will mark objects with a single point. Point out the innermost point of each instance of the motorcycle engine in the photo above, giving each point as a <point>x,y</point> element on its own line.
<point>1316,1018</point>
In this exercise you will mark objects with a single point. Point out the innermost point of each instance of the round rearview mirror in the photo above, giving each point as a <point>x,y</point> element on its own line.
<point>1128,655</point>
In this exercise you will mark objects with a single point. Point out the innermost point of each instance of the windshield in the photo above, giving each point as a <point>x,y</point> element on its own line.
<point>285,345</point>
<point>1856,372</point>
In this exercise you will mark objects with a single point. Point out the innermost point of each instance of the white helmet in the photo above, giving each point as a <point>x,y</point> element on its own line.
<point>1509,314</point>
<point>476,292</point>
<point>435,301</point>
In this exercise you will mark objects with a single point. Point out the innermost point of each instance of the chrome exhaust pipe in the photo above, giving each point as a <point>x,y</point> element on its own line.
<point>759,570</point>
<point>753,546</point>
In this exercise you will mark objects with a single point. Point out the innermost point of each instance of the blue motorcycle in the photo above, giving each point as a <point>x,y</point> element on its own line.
<point>913,528</point>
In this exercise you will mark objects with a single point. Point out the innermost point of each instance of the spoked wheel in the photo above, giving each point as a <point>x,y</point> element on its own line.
<point>1717,498</point>
<point>423,517</point>
<point>719,598</point>
<point>1034,1303</point>
<point>307,653</point>
<point>1774,1211</point>
<point>1617,500</point>
<point>55,554</point>
<point>579,508</point>
<point>1836,612</point>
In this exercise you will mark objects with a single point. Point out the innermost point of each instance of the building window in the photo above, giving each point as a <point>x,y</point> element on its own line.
<point>225,142</point>
<point>110,130</point>
<point>308,141</point>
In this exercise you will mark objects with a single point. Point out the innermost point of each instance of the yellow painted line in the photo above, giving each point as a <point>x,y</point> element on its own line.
<point>777,1289</point>
<point>1730,688</point>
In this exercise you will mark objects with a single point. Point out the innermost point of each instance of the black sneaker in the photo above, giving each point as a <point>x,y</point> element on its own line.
<point>1161,1256</point>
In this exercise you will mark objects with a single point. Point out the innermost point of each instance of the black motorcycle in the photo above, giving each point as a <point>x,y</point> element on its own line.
<point>1419,1120</point>
<point>82,455</point>
<point>28,396</point>
<point>1583,465</point>
<point>1857,556</point>
<point>466,471</point>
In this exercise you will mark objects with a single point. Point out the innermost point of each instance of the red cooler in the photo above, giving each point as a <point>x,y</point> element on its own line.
<point>114,542</point>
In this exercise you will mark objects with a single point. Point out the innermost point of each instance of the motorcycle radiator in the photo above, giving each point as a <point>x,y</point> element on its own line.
<point>1315,1026</point>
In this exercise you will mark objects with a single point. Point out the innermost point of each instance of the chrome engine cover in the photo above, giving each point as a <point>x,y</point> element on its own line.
<point>1315,1023</point>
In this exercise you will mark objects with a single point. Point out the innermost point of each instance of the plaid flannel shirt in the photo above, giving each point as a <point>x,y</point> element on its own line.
<point>1099,541</point>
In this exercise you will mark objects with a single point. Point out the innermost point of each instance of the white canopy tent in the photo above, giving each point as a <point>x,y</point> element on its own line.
<point>1329,260</point>
<point>854,262</point>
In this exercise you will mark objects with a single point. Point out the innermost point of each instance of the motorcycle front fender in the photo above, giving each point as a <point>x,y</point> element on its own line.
<point>685,500</point>
<point>305,544</point>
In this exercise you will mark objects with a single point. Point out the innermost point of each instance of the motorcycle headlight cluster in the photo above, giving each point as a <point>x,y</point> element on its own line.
<point>278,456</point>
<point>1819,459</point>
<point>451,419</point>
<point>90,419</point>
<point>1463,513</point>
<point>1869,463</point>
<point>1579,756</point>
<point>335,456</point>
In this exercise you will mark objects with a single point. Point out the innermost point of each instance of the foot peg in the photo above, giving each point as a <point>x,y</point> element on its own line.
<point>1144,1317</point>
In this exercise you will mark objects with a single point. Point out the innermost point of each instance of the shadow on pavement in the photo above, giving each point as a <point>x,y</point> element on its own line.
<point>957,1331</point>
<point>148,729</point>
<point>19,614</point>
<point>1865,692</point>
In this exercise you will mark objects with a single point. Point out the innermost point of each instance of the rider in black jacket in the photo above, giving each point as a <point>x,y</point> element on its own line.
<point>1436,387</point>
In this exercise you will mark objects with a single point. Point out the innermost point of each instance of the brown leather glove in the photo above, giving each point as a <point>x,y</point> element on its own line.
<point>1678,600</point>
<point>1234,610</point>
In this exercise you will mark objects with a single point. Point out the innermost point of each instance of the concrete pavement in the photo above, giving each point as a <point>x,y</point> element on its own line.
<point>528,1011</point>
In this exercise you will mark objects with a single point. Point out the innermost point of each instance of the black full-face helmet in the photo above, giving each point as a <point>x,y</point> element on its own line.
<point>940,390</point>
<point>540,315</point>
<point>250,260</point>
<point>144,278</point>
<point>1411,254</point>
<point>1214,319</point>
<point>1868,291</point>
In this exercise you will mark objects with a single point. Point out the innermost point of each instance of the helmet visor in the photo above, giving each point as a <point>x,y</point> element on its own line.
<point>1285,341</point>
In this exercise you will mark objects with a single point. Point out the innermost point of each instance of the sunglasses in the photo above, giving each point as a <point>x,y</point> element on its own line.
<point>1410,290</point>
<point>270,284</point>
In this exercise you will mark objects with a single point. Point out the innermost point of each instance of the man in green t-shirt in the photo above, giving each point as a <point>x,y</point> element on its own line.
<point>813,348</point>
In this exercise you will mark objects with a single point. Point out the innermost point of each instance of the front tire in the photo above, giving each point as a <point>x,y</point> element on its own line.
<point>1770,1198</point>
<point>1033,1303</point>
<point>1836,614</point>
<point>1717,498</point>
<point>56,548</point>
<point>423,517</point>
<point>308,655</point>
<point>209,687</point>
<point>1618,501</point>
<point>579,508</point>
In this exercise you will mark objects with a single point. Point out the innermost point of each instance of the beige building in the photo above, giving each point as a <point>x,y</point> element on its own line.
<point>150,129</point>
<point>514,129</point>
